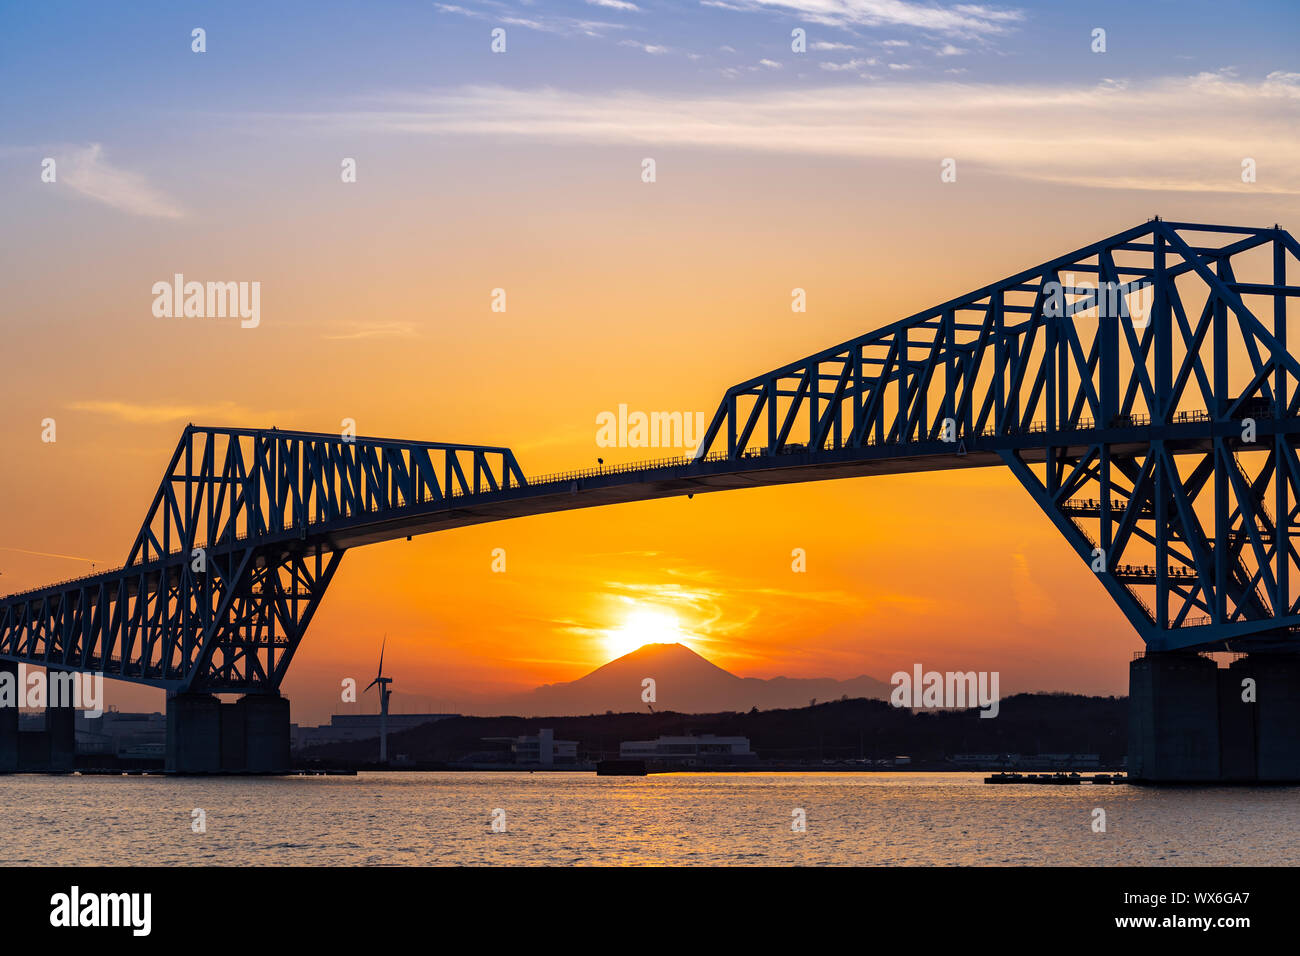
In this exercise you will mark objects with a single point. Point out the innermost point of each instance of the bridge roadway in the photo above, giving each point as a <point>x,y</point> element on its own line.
<point>653,479</point>
<point>647,481</point>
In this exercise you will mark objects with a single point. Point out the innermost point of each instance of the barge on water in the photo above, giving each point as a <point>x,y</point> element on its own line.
<point>1057,779</point>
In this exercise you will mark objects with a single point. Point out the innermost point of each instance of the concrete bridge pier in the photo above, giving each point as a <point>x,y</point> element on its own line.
<point>266,733</point>
<point>1173,734</point>
<point>53,749</point>
<point>1191,721</point>
<point>1273,748</point>
<point>61,721</point>
<point>9,722</point>
<point>193,734</point>
<point>1238,724</point>
<point>206,736</point>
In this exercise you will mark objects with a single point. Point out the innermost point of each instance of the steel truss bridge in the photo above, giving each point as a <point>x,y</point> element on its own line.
<point>1139,388</point>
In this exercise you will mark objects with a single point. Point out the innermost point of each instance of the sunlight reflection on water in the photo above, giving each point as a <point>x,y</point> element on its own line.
<point>573,819</point>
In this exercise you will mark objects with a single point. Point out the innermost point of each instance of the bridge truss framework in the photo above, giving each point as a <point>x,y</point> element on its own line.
<point>1140,388</point>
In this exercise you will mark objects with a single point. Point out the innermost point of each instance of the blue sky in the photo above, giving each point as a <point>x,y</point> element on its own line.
<point>99,66</point>
<point>117,87</point>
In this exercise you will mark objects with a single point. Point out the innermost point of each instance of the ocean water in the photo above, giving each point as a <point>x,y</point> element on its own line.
<point>679,819</point>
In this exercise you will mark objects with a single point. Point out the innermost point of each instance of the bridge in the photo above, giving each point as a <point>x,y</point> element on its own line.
<point>1139,388</point>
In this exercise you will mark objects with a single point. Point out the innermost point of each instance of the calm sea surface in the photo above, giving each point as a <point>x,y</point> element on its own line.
<point>568,819</point>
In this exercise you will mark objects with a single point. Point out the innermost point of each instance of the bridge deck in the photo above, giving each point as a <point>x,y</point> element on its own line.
<point>660,478</point>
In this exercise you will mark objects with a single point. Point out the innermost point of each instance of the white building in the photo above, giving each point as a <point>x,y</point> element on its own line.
<point>1070,761</point>
<point>690,751</point>
<point>122,734</point>
<point>542,750</point>
<point>345,727</point>
<point>985,760</point>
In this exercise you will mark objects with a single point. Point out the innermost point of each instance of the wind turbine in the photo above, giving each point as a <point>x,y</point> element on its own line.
<point>384,693</point>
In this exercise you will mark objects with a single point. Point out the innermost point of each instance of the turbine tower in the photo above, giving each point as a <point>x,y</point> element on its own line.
<point>384,693</point>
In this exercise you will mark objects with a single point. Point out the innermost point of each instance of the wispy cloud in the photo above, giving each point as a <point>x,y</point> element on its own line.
<point>52,554</point>
<point>963,19</point>
<point>1149,134</point>
<point>381,330</point>
<point>855,64</point>
<point>160,413</point>
<point>653,49</point>
<point>87,172</point>
<point>530,18</point>
<point>1035,606</point>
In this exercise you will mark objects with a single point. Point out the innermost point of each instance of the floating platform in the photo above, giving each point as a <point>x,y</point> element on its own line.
<point>159,772</point>
<point>320,773</point>
<point>1057,779</point>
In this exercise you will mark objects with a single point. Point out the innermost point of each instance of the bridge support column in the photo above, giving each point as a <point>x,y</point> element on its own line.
<point>1238,723</point>
<point>61,720</point>
<point>193,734</point>
<point>233,758</point>
<point>1277,693</point>
<point>266,732</point>
<point>9,719</point>
<point>1173,719</point>
<point>1190,721</point>
<point>250,735</point>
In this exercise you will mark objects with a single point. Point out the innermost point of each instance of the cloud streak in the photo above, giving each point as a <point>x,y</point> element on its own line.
<point>529,18</point>
<point>1185,133</point>
<point>155,414</point>
<point>87,172</point>
<point>52,554</point>
<point>381,330</point>
<point>963,19</point>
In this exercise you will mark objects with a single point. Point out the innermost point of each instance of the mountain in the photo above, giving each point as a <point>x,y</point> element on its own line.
<point>684,682</point>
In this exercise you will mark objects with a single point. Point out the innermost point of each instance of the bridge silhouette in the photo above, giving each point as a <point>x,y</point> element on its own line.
<point>1139,388</point>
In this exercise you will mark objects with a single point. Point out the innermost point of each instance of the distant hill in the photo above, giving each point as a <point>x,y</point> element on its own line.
<point>834,730</point>
<point>684,682</point>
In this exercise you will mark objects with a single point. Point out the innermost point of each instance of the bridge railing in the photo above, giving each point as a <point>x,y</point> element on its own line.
<point>599,471</point>
<point>797,448</point>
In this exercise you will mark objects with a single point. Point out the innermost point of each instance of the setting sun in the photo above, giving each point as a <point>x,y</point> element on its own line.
<point>643,626</point>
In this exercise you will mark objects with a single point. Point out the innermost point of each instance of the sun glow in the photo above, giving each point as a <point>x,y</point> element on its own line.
<point>643,626</point>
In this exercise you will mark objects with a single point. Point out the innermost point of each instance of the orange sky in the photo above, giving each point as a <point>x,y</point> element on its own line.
<point>375,306</point>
